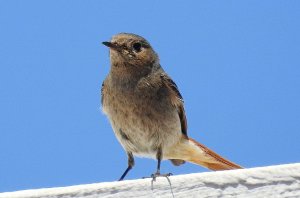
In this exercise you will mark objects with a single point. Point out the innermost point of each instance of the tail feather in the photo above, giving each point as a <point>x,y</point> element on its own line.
<point>194,152</point>
<point>217,162</point>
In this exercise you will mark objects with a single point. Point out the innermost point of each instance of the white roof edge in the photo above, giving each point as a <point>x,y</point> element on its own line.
<point>271,181</point>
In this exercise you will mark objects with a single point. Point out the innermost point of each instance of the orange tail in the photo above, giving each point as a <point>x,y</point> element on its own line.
<point>216,162</point>
<point>194,152</point>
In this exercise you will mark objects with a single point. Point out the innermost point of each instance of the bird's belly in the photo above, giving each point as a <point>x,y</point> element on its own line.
<point>143,129</point>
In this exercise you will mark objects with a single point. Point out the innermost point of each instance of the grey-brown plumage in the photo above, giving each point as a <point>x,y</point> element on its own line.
<point>146,109</point>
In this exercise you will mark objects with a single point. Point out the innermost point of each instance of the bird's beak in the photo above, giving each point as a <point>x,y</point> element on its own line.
<point>110,45</point>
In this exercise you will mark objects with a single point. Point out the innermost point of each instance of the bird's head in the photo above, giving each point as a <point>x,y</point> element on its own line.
<point>131,50</point>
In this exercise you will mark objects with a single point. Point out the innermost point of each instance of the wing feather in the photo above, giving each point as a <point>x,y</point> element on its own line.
<point>176,100</point>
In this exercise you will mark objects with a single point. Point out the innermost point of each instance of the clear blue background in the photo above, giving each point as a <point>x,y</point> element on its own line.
<point>236,64</point>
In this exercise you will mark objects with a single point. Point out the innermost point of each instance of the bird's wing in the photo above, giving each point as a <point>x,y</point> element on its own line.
<point>176,100</point>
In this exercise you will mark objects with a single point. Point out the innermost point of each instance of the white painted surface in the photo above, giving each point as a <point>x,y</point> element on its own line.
<point>273,181</point>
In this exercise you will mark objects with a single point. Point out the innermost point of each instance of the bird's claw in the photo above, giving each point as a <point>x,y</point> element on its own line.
<point>157,174</point>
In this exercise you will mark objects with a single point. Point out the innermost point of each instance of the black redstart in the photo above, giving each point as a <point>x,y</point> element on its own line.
<point>146,109</point>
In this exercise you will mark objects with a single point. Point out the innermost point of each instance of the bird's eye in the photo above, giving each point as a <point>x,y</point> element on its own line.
<point>137,47</point>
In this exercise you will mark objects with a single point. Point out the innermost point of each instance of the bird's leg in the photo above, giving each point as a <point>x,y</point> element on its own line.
<point>130,165</point>
<point>158,174</point>
<point>158,157</point>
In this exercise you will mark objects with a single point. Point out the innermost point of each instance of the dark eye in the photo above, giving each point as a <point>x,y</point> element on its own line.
<point>137,47</point>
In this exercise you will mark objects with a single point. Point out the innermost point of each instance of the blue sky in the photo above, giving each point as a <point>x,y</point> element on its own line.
<point>236,64</point>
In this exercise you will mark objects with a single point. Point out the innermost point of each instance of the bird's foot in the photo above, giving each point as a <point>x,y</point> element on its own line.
<point>158,174</point>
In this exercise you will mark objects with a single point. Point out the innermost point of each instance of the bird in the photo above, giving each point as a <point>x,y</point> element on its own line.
<point>146,110</point>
